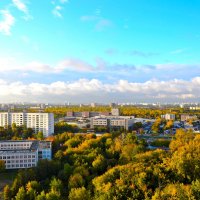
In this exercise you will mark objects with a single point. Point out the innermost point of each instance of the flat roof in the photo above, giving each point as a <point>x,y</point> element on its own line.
<point>33,147</point>
<point>14,151</point>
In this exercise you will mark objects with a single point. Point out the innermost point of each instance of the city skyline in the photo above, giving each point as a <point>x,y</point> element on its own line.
<point>99,51</point>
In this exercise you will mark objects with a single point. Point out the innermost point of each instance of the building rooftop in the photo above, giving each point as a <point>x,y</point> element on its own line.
<point>32,148</point>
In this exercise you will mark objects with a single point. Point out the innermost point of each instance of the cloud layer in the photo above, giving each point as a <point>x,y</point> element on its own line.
<point>85,90</point>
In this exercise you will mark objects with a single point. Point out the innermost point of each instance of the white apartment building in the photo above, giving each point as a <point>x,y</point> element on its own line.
<point>24,154</point>
<point>168,116</point>
<point>37,121</point>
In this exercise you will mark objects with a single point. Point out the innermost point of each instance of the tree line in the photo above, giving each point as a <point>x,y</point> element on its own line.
<point>114,166</point>
<point>149,113</point>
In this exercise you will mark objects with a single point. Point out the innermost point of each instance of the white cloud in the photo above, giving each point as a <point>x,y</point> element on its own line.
<point>20,5</point>
<point>7,22</point>
<point>38,67</point>
<point>84,90</point>
<point>59,5</point>
<point>10,64</point>
<point>101,67</point>
<point>74,65</point>
<point>56,11</point>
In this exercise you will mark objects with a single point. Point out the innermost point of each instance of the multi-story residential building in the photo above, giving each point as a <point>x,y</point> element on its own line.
<point>37,121</point>
<point>25,153</point>
<point>168,116</point>
<point>93,105</point>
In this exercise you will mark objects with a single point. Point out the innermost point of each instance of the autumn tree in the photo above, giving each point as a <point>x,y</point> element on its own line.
<point>21,195</point>
<point>79,194</point>
<point>6,193</point>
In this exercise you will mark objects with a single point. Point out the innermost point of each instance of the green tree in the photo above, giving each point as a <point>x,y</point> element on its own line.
<point>2,166</point>
<point>6,193</point>
<point>196,189</point>
<point>41,196</point>
<point>79,194</point>
<point>56,186</point>
<point>40,135</point>
<point>68,169</point>
<point>53,196</point>
<point>21,195</point>
<point>156,125</point>
<point>76,181</point>
<point>186,159</point>
<point>59,155</point>
<point>32,188</point>
<point>99,164</point>
<point>174,192</point>
<point>33,185</point>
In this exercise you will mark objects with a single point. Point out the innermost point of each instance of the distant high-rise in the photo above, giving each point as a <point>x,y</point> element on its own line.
<point>93,105</point>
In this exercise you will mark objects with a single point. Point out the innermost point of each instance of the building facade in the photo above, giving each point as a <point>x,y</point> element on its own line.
<point>37,121</point>
<point>169,116</point>
<point>99,122</point>
<point>185,117</point>
<point>24,154</point>
<point>115,112</point>
<point>116,123</point>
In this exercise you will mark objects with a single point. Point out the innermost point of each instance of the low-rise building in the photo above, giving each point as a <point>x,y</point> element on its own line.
<point>114,122</point>
<point>186,117</point>
<point>115,111</point>
<point>86,114</point>
<point>121,123</point>
<point>70,114</point>
<point>25,153</point>
<point>99,122</point>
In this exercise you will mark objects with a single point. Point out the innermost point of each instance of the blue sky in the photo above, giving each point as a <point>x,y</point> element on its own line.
<point>74,50</point>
